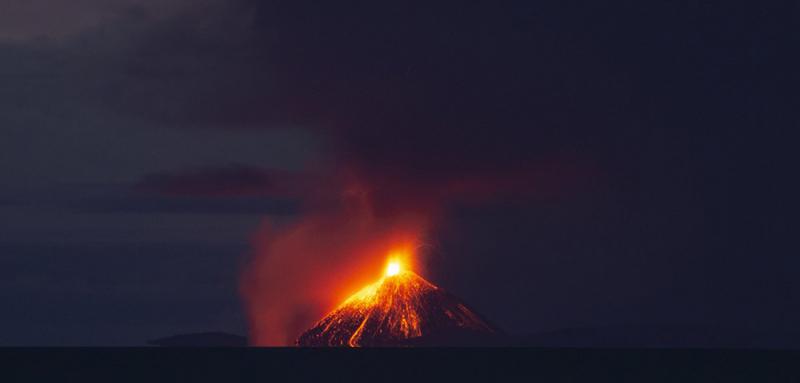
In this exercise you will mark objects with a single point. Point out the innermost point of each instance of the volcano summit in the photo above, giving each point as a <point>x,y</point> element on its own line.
<point>401,309</point>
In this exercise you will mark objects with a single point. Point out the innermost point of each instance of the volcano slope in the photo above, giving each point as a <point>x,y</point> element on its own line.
<point>400,310</point>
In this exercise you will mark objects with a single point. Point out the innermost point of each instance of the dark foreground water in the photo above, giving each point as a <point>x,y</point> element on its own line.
<point>411,365</point>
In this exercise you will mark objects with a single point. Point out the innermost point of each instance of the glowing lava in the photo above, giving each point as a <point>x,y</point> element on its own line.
<point>396,310</point>
<point>393,268</point>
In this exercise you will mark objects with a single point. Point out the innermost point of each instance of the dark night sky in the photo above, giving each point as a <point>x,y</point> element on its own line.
<point>144,141</point>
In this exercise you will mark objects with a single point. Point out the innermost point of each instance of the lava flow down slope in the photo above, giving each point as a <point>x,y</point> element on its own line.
<point>401,309</point>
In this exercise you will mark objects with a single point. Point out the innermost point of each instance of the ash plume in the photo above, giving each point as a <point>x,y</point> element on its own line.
<point>407,138</point>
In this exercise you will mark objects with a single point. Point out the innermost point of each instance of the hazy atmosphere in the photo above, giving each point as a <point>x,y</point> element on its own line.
<point>242,166</point>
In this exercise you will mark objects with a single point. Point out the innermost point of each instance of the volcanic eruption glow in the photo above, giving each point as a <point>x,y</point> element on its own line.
<point>303,270</point>
<point>393,268</point>
<point>397,259</point>
<point>399,307</point>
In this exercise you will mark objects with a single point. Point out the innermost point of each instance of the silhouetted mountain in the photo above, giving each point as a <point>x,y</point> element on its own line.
<point>400,310</point>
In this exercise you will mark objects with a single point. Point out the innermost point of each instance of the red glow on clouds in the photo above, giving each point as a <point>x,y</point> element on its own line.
<point>299,272</point>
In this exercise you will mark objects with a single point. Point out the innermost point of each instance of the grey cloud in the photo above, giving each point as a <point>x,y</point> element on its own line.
<point>22,20</point>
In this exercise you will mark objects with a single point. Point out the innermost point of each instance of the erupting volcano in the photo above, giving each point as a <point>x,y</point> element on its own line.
<point>401,309</point>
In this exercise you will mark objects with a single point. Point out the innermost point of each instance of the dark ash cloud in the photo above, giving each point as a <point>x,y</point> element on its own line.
<point>231,181</point>
<point>641,121</point>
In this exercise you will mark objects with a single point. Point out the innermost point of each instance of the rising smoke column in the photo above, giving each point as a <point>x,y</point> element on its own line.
<point>437,117</point>
<point>300,271</point>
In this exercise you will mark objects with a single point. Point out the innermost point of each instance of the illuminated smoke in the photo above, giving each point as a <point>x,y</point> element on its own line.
<point>301,271</point>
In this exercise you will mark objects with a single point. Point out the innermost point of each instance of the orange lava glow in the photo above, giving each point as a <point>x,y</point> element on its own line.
<point>399,314</point>
<point>393,268</point>
<point>300,272</point>
<point>397,261</point>
<point>400,306</point>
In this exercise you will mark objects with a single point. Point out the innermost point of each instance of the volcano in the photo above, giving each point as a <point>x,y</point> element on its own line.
<point>401,309</point>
